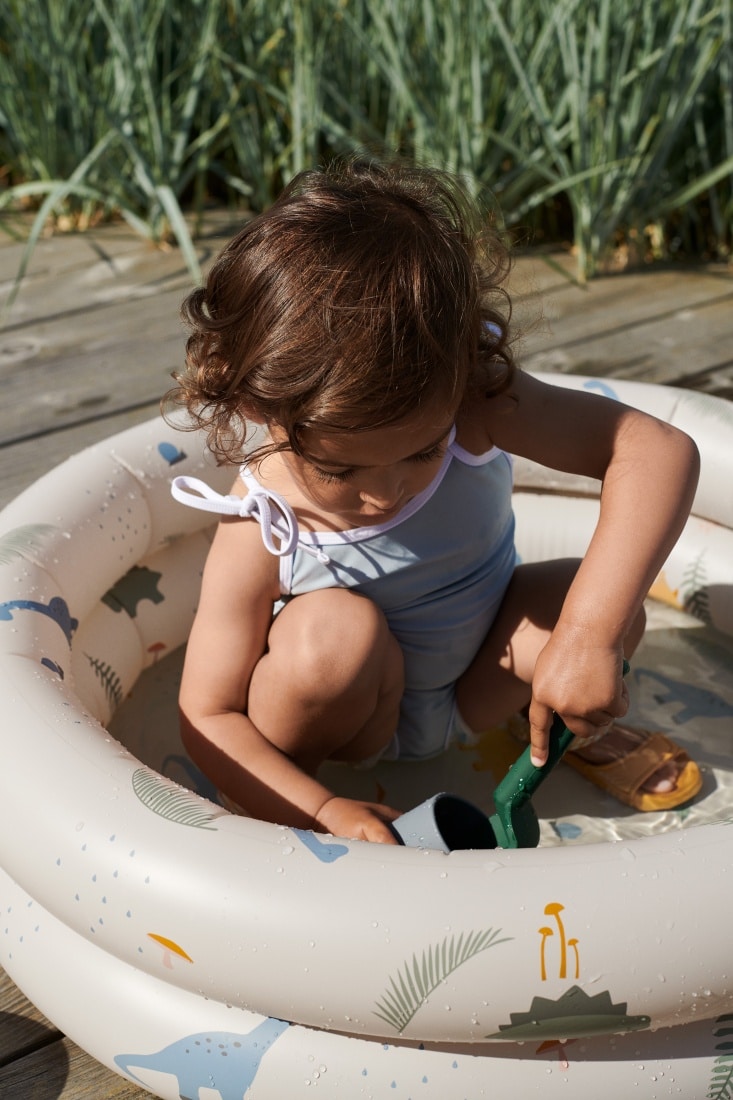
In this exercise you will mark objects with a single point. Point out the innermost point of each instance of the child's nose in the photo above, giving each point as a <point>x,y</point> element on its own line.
<point>383,492</point>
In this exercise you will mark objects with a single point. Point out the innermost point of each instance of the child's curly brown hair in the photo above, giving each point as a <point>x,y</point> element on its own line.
<point>362,294</point>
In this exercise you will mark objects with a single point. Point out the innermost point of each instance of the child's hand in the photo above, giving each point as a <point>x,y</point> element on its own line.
<point>584,685</point>
<point>347,817</point>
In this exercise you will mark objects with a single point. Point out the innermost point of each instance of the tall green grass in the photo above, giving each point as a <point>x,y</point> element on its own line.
<point>616,113</point>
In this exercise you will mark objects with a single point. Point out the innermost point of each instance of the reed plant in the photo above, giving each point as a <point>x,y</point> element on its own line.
<point>618,112</point>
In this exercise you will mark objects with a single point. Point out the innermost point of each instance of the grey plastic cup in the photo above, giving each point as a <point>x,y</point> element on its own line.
<point>445,823</point>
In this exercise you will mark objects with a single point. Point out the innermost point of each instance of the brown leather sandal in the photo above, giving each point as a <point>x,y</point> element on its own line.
<point>623,778</point>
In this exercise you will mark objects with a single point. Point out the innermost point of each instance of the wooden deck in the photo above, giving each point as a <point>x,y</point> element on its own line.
<point>88,350</point>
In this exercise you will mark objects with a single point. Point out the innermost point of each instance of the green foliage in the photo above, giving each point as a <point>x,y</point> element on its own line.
<point>420,977</point>
<point>172,802</point>
<point>23,541</point>
<point>694,589</point>
<point>108,678</point>
<point>721,1083</point>
<point>616,114</point>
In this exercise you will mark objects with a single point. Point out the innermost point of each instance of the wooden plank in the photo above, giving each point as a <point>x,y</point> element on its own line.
<point>83,279</point>
<point>92,336</point>
<point>565,313</point>
<point>103,363</point>
<point>38,1063</point>
<point>680,349</point>
<point>61,1071</point>
<point>22,1027</point>
<point>109,261</point>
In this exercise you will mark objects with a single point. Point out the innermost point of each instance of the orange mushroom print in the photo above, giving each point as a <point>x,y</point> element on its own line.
<point>575,1013</point>
<point>170,949</point>
<point>544,932</point>
<point>554,909</point>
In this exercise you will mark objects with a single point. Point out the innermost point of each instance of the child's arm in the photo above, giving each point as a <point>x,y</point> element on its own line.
<point>228,637</point>
<point>649,472</point>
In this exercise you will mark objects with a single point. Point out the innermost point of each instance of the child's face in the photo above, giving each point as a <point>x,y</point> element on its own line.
<point>368,477</point>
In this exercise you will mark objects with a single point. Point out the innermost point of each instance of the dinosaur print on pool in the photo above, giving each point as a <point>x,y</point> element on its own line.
<point>325,851</point>
<point>573,1015</point>
<point>224,1061</point>
<point>138,584</point>
<point>695,702</point>
<point>56,609</point>
<point>171,453</point>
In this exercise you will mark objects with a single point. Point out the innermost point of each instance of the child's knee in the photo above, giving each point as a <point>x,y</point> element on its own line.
<point>335,639</point>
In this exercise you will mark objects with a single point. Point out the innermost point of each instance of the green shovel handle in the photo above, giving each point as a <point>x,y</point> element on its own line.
<point>523,778</point>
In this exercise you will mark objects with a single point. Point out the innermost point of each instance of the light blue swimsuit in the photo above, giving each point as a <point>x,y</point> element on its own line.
<point>438,570</point>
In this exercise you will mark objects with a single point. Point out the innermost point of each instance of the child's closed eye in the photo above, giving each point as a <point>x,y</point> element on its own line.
<point>432,455</point>
<point>332,475</point>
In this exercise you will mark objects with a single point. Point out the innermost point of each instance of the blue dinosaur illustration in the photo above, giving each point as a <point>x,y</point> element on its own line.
<point>326,852</point>
<point>221,1060</point>
<point>696,702</point>
<point>54,667</point>
<point>139,583</point>
<point>56,609</point>
<point>171,453</point>
<point>601,387</point>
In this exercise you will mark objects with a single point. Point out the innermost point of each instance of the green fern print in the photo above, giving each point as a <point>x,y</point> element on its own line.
<point>721,1085</point>
<point>172,802</point>
<point>21,540</point>
<point>711,407</point>
<point>110,680</point>
<point>410,988</point>
<point>694,589</point>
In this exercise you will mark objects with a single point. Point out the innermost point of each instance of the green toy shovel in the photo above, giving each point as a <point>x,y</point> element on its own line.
<point>515,823</point>
<point>448,823</point>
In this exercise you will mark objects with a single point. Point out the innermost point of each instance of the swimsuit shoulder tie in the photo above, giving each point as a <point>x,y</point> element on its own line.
<point>271,510</point>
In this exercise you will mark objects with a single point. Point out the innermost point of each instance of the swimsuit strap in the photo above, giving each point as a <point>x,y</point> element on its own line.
<point>273,513</point>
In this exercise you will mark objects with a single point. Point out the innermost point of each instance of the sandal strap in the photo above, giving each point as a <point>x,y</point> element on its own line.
<point>639,763</point>
<point>581,742</point>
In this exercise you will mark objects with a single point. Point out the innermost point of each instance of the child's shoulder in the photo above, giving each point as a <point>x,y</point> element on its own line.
<point>239,552</point>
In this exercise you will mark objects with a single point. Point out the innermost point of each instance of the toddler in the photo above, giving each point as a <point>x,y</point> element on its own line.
<point>351,351</point>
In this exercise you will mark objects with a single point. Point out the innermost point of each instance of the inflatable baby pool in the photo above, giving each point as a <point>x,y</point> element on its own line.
<point>203,954</point>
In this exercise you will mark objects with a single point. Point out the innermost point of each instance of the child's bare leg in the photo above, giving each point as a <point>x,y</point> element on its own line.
<point>330,684</point>
<point>498,682</point>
